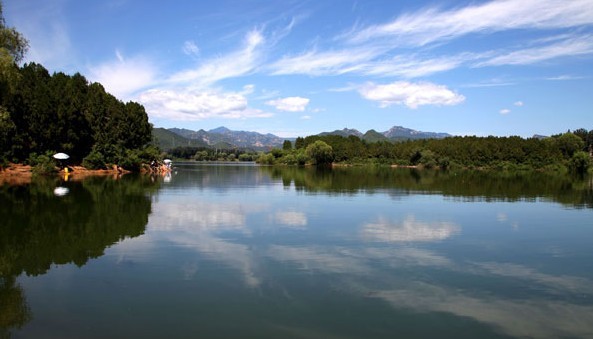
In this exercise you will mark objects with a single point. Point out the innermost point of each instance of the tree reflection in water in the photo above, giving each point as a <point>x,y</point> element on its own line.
<point>573,191</point>
<point>40,229</point>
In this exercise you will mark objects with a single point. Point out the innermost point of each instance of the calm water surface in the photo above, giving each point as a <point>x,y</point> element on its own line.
<point>247,251</point>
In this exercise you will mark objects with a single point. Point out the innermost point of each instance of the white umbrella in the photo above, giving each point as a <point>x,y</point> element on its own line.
<point>167,161</point>
<point>61,156</point>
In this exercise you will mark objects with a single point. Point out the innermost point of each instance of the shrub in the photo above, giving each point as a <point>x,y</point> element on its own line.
<point>266,159</point>
<point>43,164</point>
<point>95,160</point>
<point>580,162</point>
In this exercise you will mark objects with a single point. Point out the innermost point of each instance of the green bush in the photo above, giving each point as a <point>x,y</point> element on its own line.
<point>266,159</point>
<point>580,162</point>
<point>95,160</point>
<point>43,164</point>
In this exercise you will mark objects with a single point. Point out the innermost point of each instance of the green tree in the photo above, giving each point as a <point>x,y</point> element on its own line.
<point>299,143</point>
<point>320,152</point>
<point>569,143</point>
<point>287,145</point>
<point>580,162</point>
<point>7,131</point>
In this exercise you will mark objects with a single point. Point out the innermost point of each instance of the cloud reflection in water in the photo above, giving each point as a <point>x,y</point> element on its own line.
<point>410,230</point>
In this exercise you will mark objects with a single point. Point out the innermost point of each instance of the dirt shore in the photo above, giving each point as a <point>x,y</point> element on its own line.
<point>18,174</point>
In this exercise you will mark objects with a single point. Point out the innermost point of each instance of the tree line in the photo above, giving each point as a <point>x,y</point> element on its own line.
<point>212,154</point>
<point>43,113</point>
<point>570,150</point>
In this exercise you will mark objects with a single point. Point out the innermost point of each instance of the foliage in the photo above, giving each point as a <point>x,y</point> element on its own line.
<point>500,153</point>
<point>43,164</point>
<point>266,159</point>
<point>580,162</point>
<point>40,112</point>
<point>211,154</point>
<point>320,152</point>
<point>67,114</point>
<point>12,41</point>
<point>95,160</point>
<point>569,143</point>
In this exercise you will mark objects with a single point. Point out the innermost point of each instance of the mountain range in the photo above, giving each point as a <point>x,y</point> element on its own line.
<point>223,137</point>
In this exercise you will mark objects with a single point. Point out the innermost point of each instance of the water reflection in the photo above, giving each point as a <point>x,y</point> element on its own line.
<point>292,219</point>
<point>43,226</point>
<point>408,230</point>
<point>466,186</point>
<point>283,252</point>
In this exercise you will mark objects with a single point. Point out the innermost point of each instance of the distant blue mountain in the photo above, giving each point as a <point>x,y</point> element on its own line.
<point>394,133</point>
<point>241,139</point>
<point>257,141</point>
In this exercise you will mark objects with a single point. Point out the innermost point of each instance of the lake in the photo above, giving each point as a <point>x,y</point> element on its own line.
<point>239,251</point>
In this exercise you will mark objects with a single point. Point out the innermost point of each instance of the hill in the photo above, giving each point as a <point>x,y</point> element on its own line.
<point>176,137</point>
<point>346,132</point>
<point>224,136</point>
<point>395,133</point>
<point>167,139</point>
<point>399,133</point>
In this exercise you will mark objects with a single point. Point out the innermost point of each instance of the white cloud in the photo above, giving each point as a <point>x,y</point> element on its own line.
<point>505,111</point>
<point>190,48</point>
<point>324,63</point>
<point>408,230</point>
<point>238,63</point>
<point>410,94</point>
<point>289,104</point>
<point>123,77</point>
<point>190,96</point>
<point>578,45</point>
<point>565,77</point>
<point>410,66</point>
<point>198,105</point>
<point>518,103</point>
<point>432,25</point>
<point>306,117</point>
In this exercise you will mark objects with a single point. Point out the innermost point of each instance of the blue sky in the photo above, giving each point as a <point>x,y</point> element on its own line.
<point>296,68</point>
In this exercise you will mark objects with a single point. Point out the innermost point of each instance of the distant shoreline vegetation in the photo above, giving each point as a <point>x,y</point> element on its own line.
<point>570,151</point>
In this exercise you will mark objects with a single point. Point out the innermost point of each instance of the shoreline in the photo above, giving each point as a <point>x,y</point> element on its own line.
<point>19,174</point>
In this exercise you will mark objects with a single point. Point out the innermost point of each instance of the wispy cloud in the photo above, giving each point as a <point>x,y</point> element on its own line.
<point>410,66</point>
<point>574,46</point>
<point>190,48</point>
<point>565,77</point>
<point>190,94</point>
<point>238,63</point>
<point>48,34</point>
<point>289,104</point>
<point>410,94</point>
<point>504,111</point>
<point>432,24</point>
<point>123,77</point>
<point>323,62</point>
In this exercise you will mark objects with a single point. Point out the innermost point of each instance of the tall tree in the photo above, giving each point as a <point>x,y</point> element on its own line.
<point>320,152</point>
<point>13,47</point>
